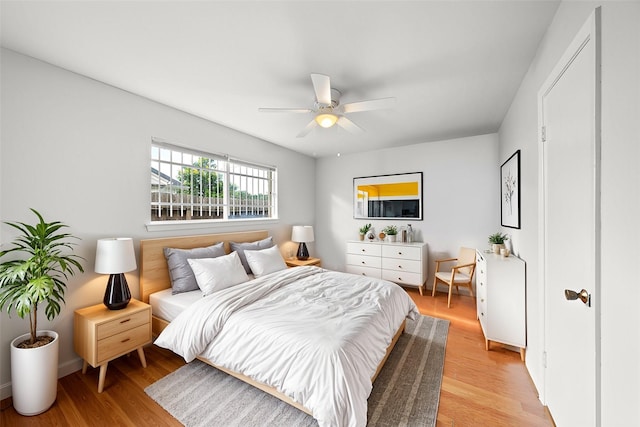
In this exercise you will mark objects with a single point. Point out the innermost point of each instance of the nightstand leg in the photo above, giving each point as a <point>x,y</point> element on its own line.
<point>103,374</point>
<point>84,366</point>
<point>141,356</point>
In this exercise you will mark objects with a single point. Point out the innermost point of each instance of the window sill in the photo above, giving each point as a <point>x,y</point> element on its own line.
<point>205,224</point>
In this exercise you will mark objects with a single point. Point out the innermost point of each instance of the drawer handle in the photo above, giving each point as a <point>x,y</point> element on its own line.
<point>125,321</point>
<point>399,278</point>
<point>399,253</point>
<point>125,340</point>
<point>363,250</point>
<point>363,274</point>
<point>399,266</point>
<point>362,262</point>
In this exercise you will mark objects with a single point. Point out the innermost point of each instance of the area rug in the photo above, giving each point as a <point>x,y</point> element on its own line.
<point>406,392</point>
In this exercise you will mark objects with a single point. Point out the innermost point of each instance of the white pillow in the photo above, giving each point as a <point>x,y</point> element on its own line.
<point>215,274</point>
<point>265,261</point>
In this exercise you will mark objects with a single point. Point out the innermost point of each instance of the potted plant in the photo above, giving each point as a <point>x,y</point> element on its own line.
<point>363,230</point>
<point>25,283</point>
<point>497,241</point>
<point>391,231</point>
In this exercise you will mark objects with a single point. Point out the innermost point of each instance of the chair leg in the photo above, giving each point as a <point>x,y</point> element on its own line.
<point>449,300</point>
<point>435,285</point>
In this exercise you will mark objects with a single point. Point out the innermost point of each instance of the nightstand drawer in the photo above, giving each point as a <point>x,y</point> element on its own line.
<point>122,324</point>
<point>410,266</point>
<point>123,342</point>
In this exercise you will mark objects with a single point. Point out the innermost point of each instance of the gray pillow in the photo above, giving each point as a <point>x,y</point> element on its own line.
<point>251,246</point>
<point>182,278</point>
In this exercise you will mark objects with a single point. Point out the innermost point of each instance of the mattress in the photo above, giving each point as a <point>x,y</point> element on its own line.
<point>166,306</point>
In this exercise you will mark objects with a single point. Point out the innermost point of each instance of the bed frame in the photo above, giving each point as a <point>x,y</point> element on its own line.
<point>154,277</point>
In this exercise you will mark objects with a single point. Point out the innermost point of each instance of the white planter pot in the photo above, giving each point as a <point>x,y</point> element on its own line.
<point>34,375</point>
<point>391,237</point>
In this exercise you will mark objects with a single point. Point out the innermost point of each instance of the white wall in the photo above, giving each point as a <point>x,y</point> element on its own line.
<point>78,151</point>
<point>620,322</point>
<point>460,191</point>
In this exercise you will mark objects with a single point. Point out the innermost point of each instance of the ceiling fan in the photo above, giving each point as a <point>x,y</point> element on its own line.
<point>328,110</point>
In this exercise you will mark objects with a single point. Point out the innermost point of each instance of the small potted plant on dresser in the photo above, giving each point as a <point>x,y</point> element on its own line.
<point>24,284</point>
<point>497,242</point>
<point>391,231</point>
<point>363,230</point>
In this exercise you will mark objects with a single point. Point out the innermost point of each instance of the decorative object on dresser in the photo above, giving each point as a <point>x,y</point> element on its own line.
<point>388,196</point>
<point>302,234</point>
<point>295,262</point>
<point>115,256</point>
<point>501,290</point>
<point>101,335</point>
<point>24,284</point>
<point>510,192</point>
<point>401,263</point>
<point>461,273</point>
<point>391,231</point>
<point>497,241</point>
<point>364,230</point>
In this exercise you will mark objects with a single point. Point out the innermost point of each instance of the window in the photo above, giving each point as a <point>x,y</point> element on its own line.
<point>192,185</point>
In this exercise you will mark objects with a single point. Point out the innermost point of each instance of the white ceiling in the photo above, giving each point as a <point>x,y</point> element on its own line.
<point>453,66</point>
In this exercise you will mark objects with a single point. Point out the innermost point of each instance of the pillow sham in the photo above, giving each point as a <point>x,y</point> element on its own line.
<point>182,278</point>
<point>265,261</point>
<point>251,246</point>
<point>215,274</point>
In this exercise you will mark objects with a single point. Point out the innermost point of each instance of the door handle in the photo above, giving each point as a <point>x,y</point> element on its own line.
<point>583,296</point>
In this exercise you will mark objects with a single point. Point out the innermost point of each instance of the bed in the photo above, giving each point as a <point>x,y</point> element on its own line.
<point>333,383</point>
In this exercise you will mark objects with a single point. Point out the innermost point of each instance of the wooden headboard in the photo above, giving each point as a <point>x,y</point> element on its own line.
<point>154,274</point>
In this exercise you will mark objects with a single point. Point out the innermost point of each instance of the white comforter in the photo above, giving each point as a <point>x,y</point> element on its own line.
<point>315,335</point>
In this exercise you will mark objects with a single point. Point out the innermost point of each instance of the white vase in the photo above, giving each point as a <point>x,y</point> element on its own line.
<point>34,375</point>
<point>391,237</point>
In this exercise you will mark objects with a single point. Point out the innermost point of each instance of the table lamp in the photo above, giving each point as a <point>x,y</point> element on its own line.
<point>302,234</point>
<point>115,256</point>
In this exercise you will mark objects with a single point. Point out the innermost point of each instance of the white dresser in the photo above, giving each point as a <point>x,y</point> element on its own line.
<point>402,263</point>
<point>500,289</point>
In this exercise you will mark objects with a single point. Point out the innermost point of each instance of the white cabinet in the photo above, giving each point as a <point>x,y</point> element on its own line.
<point>500,288</point>
<point>402,263</point>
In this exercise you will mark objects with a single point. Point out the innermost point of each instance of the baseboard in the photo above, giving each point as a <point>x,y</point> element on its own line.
<point>63,370</point>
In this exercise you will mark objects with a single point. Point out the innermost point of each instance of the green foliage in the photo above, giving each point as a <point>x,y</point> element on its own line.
<point>498,238</point>
<point>390,230</point>
<point>25,283</point>
<point>365,228</point>
<point>201,182</point>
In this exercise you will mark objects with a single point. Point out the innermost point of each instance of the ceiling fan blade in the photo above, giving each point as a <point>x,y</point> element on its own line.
<point>349,126</point>
<point>285,110</point>
<point>372,104</point>
<point>312,124</point>
<point>322,87</point>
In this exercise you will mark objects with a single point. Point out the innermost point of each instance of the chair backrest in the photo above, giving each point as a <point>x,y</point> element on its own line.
<point>467,256</point>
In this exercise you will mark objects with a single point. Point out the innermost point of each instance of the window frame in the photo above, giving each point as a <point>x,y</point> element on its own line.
<point>234,169</point>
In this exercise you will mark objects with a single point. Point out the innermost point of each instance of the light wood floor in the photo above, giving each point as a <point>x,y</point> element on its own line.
<point>479,388</point>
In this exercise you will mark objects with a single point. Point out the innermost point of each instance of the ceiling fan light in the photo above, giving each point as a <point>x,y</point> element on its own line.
<point>326,120</point>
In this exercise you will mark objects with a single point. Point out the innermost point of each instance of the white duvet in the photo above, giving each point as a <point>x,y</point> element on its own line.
<point>316,335</point>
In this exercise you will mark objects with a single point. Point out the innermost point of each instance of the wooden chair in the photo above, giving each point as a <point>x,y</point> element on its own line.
<point>460,275</point>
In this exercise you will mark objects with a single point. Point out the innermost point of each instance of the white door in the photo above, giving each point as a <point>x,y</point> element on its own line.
<point>570,150</point>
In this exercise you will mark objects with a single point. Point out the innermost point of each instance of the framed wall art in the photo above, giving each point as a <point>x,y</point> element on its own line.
<point>510,192</point>
<point>388,196</point>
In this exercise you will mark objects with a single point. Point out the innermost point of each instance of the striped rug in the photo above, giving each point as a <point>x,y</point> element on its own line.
<point>406,392</point>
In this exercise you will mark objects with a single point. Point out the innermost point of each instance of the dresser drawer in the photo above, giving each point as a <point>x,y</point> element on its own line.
<point>364,261</point>
<point>365,271</point>
<point>125,341</point>
<point>122,324</point>
<point>363,249</point>
<point>408,265</point>
<point>402,252</point>
<point>402,277</point>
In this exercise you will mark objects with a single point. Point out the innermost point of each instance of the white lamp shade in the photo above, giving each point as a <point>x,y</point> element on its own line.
<point>115,255</point>
<point>302,233</point>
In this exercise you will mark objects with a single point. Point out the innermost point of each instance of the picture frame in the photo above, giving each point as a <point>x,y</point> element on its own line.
<point>394,196</point>
<point>510,192</point>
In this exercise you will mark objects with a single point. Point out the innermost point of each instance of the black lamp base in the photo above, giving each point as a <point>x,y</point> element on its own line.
<point>303,253</point>
<point>117,294</point>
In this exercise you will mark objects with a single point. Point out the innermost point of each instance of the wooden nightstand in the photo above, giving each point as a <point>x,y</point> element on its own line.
<point>295,262</point>
<point>101,335</point>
